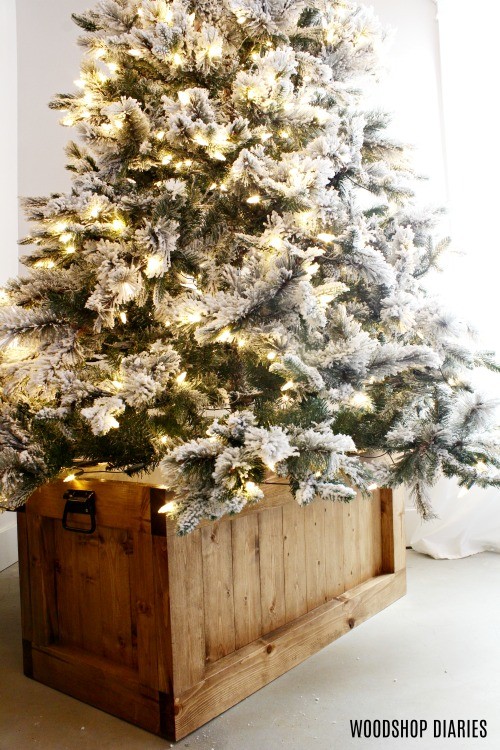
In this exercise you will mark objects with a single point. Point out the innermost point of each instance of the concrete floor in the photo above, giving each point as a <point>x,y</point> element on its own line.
<point>433,655</point>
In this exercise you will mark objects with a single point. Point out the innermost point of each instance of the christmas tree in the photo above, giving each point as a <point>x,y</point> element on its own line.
<point>233,286</point>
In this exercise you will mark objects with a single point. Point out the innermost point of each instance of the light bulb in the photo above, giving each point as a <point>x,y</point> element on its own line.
<point>275,241</point>
<point>169,507</point>
<point>194,317</point>
<point>200,139</point>
<point>164,440</point>
<point>219,156</point>
<point>212,186</point>
<point>135,53</point>
<point>224,336</point>
<point>166,158</point>
<point>271,356</point>
<point>160,135</point>
<point>123,317</point>
<point>241,342</point>
<point>113,423</point>
<point>107,127</point>
<point>67,121</point>
<point>215,50</point>
<point>481,467</point>
<point>285,134</point>
<point>117,384</point>
<point>69,478</point>
<point>253,199</point>
<point>99,53</point>
<point>372,487</point>
<point>325,237</point>
<point>118,225</point>
<point>265,136</point>
<point>79,83</point>
<point>361,400</point>
<point>288,385</point>
<point>66,237</point>
<point>251,94</point>
<point>114,68</point>
<point>101,77</point>
<point>181,378</point>
<point>183,97</point>
<point>188,162</point>
<point>177,59</point>
<point>70,249</point>
<point>154,264</point>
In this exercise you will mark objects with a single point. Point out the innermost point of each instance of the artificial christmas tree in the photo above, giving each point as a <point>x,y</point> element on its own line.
<point>232,293</point>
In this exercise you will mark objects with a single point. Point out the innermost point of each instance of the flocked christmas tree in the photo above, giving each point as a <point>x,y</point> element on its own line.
<point>234,283</point>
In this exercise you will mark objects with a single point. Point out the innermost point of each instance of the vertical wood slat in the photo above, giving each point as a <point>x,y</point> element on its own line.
<point>393,531</point>
<point>143,605</point>
<point>42,577</point>
<point>164,598</point>
<point>246,579</point>
<point>218,590</point>
<point>334,549</point>
<point>376,532</point>
<point>88,592</point>
<point>24,576</point>
<point>294,558</point>
<point>272,574</point>
<point>187,607</point>
<point>115,547</point>
<point>350,535</point>
<point>365,541</point>
<point>66,565</point>
<point>315,554</point>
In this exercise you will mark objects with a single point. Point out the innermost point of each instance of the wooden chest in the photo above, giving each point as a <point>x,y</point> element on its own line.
<point>168,632</point>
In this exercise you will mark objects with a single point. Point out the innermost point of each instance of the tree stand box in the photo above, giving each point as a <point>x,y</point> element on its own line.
<point>167,631</point>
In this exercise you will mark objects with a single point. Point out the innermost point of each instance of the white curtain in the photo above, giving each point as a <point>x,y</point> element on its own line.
<point>469,521</point>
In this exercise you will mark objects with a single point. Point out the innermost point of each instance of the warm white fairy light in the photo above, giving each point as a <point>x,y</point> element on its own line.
<point>70,249</point>
<point>118,225</point>
<point>213,186</point>
<point>215,50</point>
<point>177,59</point>
<point>183,97</point>
<point>117,384</point>
<point>481,467</point>
<point>241,341</point>
<point>288,385</point>
<point>160,135</point>
<point>372,487</point>
<point>224,336</point>
<point>69,478</point>
<point>114,68</point>
<point>135,53</point>
<point>106,127</point>
<point>181,378</point>
<point>271,356</point>
<point>326,237</point>
<point>123,317</point>
<point>154,264</point>
<point>79,83</point>
<point>85,113</point>
<point>101,77</point>
<point>169,507</point>
<point>61,226</point>
<point>265,136</point>
<point>252,94</point>
<point>194,317</point>
<point>200,139</point>
<point>67,121</point>
<point>361,400</point>
<point>253,199</point>
<point>219,156</point>
<point>99,53</point>
<point>113,423</point>
<point>285,134</point>
<point>275,241</point>
<point>66,237</point>
<point>164,439</point>
<point>166,159</point>
<point>188,162</point>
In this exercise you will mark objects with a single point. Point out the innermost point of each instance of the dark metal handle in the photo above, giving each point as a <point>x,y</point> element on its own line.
<point>81,502</point>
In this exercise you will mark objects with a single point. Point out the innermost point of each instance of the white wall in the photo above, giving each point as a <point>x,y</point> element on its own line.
<point>8,204</point>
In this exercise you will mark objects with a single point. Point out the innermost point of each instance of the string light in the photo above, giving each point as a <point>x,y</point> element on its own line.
<point>325,237</point>
<point>183,97</point>
<point>215,50</point>
<point>154,264</point>
<point>181,378</point>
<point>70,249</point>
<point>241,342</point>
<point>213,186</point>
<point>114,68</point>
<point>219,156</point>
<point>164,440</point>
<point>177,59</point>
<point>275,241</point>
<point>117,384</point>
<point>113,423</point>
<point>135,53</point>
<point>69,478</point>
<point>193,317</point>
<point>102,77</point>
<point>252,94</point>
<point>224,336</point>
<point>361,400</point>
<point>200,139</point>
<point>166,159</point>
<point>265,136</point>
<point>289,384</point>
<point>67,121</point>
<point>372,487</point>
<point>160,135</point>
<point>60,226</point>
<point>271,356</point>
<point>285,134</point>
<point>253,199</point>
<point>99,53</point>
<point>107,127</point>
<point>188,162</point>
<point>118,225</point>
<point>123,317</point>
<point>79,83</point>
<point>169,507</point>
<point>66,237</point>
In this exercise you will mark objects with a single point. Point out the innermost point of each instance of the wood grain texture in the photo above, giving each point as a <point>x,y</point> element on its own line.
<point>315,554</point>
<point>42,580</point>
<point>187,609</point>
<point>24,577</point>
<point>272,571</point>
<point>218,590</point>
<point>294,561</point>
<point>143,605</point>
<point>246,579</point>
<point>334,549</point>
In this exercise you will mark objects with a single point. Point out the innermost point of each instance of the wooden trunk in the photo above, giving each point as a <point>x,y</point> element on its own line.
<point>168,632</point>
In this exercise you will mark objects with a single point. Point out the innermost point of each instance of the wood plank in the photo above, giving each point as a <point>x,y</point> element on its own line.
<point>115,549</point>
<point>42,577</point>
<point>187,608</point>
<point>24,576</point>
<point>88,591</point>
<point>294,559</point>
<point>272,571</point>
<point>246,579</point>
<point>257,664</point>
<point>67,584</point>
<point>350,532</point>
<point>163,600</point>
<point>393,531</point>
<point>334,549</point>
<point>376,533</point>
<point>218,590</point>
<point>315,554</point>
<point>110,687</point>
<point>119,505</point>
<point>365,541</point>
<point>142,593</point>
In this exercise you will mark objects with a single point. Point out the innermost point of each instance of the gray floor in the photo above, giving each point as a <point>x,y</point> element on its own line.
<point>433,655</point>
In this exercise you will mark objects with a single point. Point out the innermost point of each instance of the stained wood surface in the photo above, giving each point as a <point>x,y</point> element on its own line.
<point>173,630</point>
